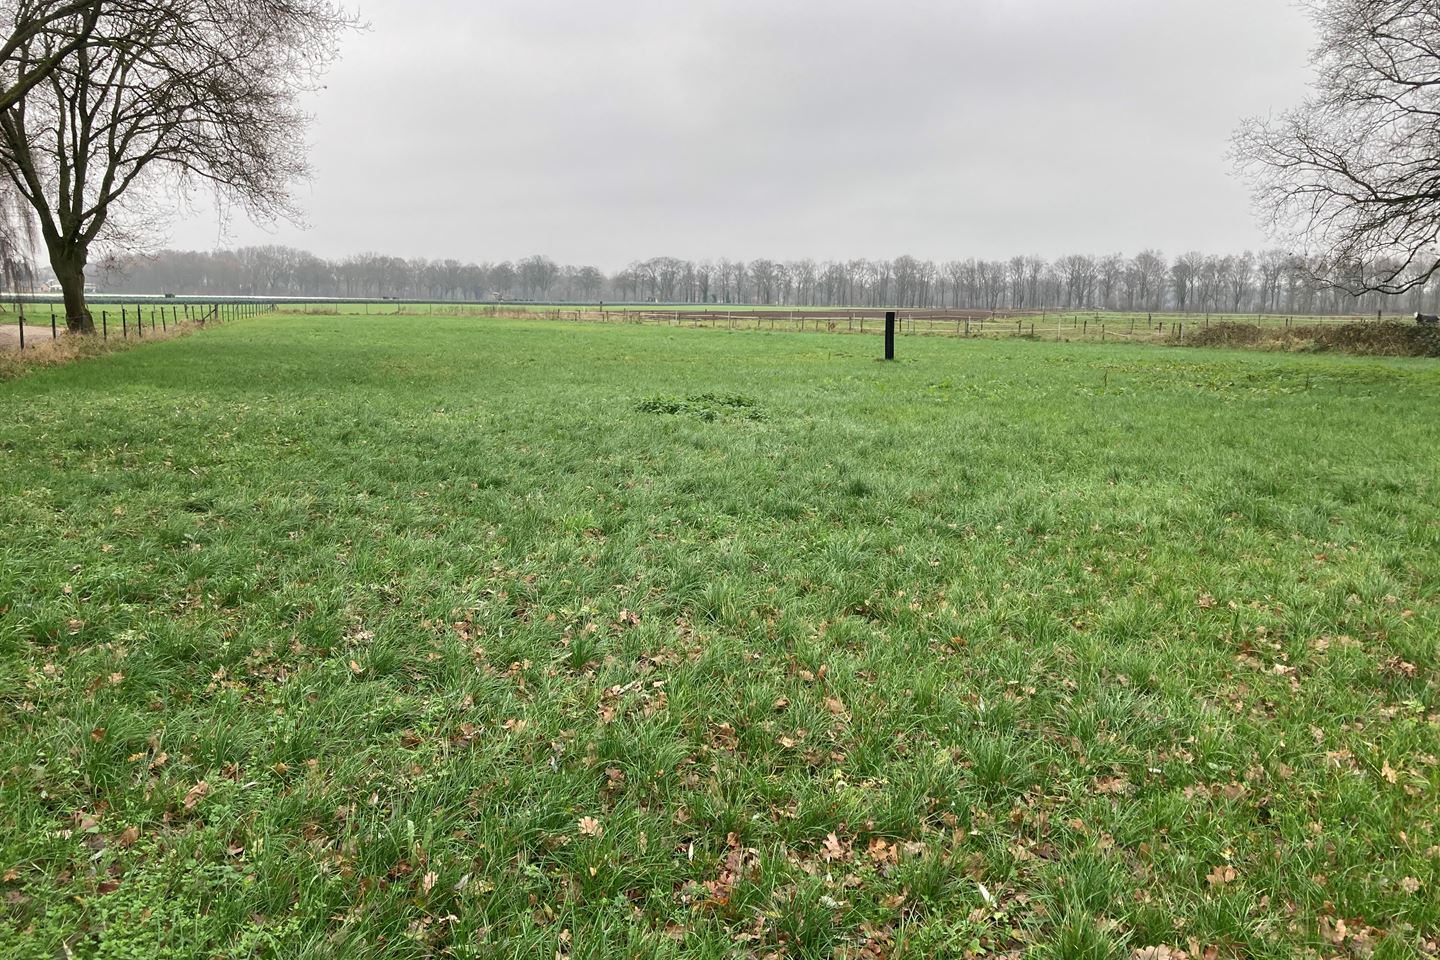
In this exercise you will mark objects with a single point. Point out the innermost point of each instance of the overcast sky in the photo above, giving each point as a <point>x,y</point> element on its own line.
<point>604,132</point>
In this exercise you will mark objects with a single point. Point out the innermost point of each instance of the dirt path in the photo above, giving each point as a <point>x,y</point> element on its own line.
<point>34,334</point>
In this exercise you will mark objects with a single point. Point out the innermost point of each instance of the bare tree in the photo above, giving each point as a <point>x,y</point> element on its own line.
<point>162,93</point>
<point>1111,270</point>
<point>1354,172</point>
<point>1240,276</point>
<point>1151,269</point>
<point>1078,271</point>
<point>537,275</point>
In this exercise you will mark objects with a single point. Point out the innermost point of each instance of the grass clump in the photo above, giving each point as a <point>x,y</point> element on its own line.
<point>322,638</point>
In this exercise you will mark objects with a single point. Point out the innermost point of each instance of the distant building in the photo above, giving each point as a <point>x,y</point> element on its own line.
<point>53,286</point>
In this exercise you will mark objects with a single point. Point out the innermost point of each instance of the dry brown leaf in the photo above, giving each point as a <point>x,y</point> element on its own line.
<point>590,827</point>
<point>1221,875</point>
<point>195,794</point>
<point>1112,785</point>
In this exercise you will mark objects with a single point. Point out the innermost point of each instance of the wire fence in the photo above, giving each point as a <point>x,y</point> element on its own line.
<point>152,315</point>
<point>1040,324</point>
<point>32,328</point>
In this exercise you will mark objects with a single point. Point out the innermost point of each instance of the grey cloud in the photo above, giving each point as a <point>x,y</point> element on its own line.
<point>606,132</point>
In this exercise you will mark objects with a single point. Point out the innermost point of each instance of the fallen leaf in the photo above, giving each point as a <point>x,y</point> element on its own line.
<point>1161,952</point>
<point>195,794</point>
<point>1112,785</point>
<point>1221,875</point>
<point>590,827</point>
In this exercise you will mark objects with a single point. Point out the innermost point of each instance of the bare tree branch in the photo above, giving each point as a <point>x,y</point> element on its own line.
<point>1353,175</point>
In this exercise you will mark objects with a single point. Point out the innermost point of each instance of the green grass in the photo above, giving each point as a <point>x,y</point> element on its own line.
<point>514,639</point>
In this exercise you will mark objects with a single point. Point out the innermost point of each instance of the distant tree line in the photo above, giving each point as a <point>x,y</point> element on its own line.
<point>1269,282</point>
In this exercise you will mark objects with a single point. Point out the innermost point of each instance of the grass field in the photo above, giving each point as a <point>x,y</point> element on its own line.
<point>339,636</point>
<point>1064,326</point>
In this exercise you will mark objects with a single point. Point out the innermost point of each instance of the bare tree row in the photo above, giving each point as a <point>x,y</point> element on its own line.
<point>1270,282</point>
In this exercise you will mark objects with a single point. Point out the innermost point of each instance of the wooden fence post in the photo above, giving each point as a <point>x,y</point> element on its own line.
<point>890,335</point>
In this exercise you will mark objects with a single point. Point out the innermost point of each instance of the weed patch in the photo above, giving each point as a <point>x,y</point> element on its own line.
<point>1387,339</point>
<point>704,406</point>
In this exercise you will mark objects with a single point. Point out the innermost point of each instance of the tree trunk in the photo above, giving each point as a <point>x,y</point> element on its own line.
<point>70,274</point>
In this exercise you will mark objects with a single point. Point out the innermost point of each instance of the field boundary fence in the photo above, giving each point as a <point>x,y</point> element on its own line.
<point>1038,324</point>
<point>138,317</point>
<point>33,328</point>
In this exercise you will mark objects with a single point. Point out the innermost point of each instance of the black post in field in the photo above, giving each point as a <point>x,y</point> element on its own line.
<point>890,335</point>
